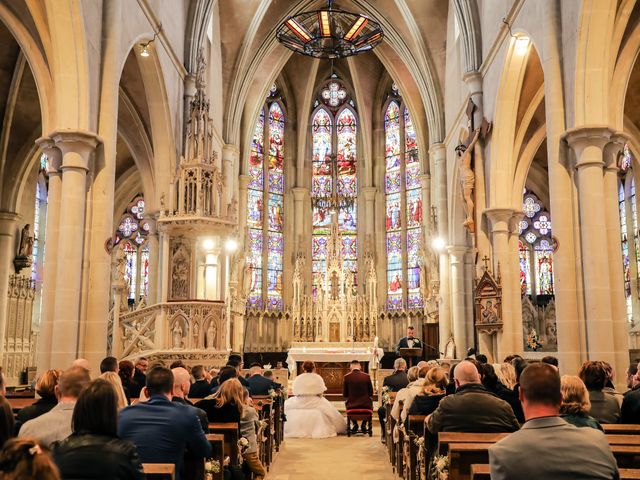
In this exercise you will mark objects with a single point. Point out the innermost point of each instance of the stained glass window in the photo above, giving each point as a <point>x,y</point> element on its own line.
<point>131,235</point>
<point>41,197</point>
<point>535,248</point>
<point>403,207</point>
<point>333,131</point>
<point>629,241</point>
<point>266,189</point>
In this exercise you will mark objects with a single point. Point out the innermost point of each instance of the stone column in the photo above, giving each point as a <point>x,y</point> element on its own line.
<point>242,206</point>
<point>230,154</point>
<point>77,147</point>
<point>50,251</point>
<point>165,253</point>
<point>299,194</point>
<point>458,313</point>
<point>511,285</point>
<point>567,286</point>
<point>438,155</point>
<point>369,194</point>
<point>154,258</point>
<point>499,220</point>
<point>588,144</point>
<point>616,276</point>
<point>7,253</point>
<point>425,183</point>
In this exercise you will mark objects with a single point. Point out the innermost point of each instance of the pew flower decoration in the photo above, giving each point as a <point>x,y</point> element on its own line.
<point>439,468</point>
<point>243,444</point>
<point>210,468</point>
<point>385,395</point>
<point>533,341</point>
<point>272,393</point>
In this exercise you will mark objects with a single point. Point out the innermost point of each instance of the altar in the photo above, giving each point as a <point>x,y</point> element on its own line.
<point>332,360</point>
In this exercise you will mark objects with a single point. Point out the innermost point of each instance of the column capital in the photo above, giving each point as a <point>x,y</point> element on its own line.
<point>81,142</point>
<point>53,153</point>
<point>438,151</point>
<point>457,251</point>
<point>516,218</point>
<point>230,151</point>
<point>425,180</point>
<point>299,193</point>
<point>613,150</point>
<point>473,80</point>
<point>369,193</point>
<point>8,222</point>
<point>582,137</point>
<point>244,181</point>
<point>500,218</point>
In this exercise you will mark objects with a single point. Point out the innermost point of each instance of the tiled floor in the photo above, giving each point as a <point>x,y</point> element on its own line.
<point>338,458</point>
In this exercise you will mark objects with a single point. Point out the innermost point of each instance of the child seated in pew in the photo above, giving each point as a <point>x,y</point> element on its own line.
<point>249,423</point>
<point>24,458</point>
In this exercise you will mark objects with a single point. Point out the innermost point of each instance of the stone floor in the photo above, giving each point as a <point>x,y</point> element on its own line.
<point>355,458</point>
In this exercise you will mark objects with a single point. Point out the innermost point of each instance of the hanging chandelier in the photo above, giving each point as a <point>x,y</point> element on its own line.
<point>332,201</point>
<point>330,33</point>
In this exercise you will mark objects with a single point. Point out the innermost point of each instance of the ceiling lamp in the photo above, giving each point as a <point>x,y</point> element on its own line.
<point>330,33</point>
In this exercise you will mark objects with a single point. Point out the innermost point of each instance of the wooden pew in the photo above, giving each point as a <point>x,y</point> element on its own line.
<point>629,473</point>
<point>397,448</point>
<point>480,471</point>
<point>159,471</point>
<point>389,423</point>
<point>621,439</point>
<point>19,403</point>
<point>416,430</point>
<point>231,434</point>
<point>627,456</point>
<point>217,452</point>
<point>622,429</point>
<point>446,438</point>
<point>463,455</point>
<point>264,405</point>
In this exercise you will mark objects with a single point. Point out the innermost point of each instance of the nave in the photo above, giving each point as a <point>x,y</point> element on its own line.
<point>353,458</point>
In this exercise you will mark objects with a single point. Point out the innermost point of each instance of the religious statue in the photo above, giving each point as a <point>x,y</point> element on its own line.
<point>467,178</point>
<point>297,280</point>
<point>176,334</point>
<point>335,286</point>
<point>26,242</point>
<point>211,336</point>
<point>196,335</point>
<point>201,70</point>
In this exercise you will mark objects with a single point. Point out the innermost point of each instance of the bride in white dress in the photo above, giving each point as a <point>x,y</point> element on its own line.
<point>309,414</point>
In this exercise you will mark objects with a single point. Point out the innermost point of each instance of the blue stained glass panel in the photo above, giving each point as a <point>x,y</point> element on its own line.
<point>276,182</point>
<point>276,217</point>
<point>347,186</point>
<point>413,176</point>
<point>394,282</point>
<point>394,302</point>
<point>321,186</point>
<point>393,212</point>
<point>409,134</point>
<point>347,219</point>
<point>254,208</point>
<point>256,177</point>
<point>392,181</point>
<point>321,220</point>
<point>414,208</point>
<point>349,247</point>
<point>319,247</point>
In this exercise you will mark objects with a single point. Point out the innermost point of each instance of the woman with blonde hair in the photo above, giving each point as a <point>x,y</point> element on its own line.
<point>506,374</point>
<point>224,406</point>
<point>46,390</point>
<point>575,403</point>
<point>433,390</point>
<point>116,382</point>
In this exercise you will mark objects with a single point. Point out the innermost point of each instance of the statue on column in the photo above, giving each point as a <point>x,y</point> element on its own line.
<point>467,178</point>
<point>211,336</point>
<point>26,242</point>
<point>297,281</point>
<point>176,334</point>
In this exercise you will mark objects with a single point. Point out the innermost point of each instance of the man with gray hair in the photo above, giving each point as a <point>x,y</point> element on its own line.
<point>472,408</point>
<point>394,383</point>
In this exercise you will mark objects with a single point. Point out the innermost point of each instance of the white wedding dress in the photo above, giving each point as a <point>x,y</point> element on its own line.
<point>309,414</point>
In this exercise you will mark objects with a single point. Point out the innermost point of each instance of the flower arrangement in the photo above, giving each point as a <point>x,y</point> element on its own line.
<point>385,395</point>
<point>210,468</point>
<point>439,468</point>
<point>533,341</point>
<point>243,444</point>
<point>272,393</point>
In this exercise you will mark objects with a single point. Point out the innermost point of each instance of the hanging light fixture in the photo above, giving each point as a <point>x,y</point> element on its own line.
<point>330,33</point>
<point>145,52</point>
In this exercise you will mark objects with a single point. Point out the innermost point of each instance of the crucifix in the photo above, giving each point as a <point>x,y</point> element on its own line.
<point>485,260</point>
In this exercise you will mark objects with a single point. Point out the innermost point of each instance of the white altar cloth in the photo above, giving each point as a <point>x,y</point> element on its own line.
<point>332,354</point>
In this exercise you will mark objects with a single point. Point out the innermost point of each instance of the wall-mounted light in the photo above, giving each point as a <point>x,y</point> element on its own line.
<point>521,41</point>
<point>231,245</point>
<point>208,244</point>
<point>145,52</point>
<point>438,244</point>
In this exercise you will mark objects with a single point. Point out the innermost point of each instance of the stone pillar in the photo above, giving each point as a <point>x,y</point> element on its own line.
<point>458,311</point>
<point>299,194</point>
<point>511,285</point>
<point>118,287</point>
<point>425,183</point>
<point>588,144</point>
<point>77,147</point>
<point>567,287</point>
<point>369,194</point>
<point>616,276</point>
<point>165,253</point>
<point>51,253</point>
<point>154,259</point>
<point>500,219</point>
<point>7,254</point>
<point>438,156</point>
<point>230,155</point>
<point>242,205</point>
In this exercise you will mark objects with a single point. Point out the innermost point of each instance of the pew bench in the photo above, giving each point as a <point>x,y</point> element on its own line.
<point>446,438</point>
<point>623,429</point>
<point>411,451</point>
<point>627,456</point>
<point>19,403</point>
<point>217,452</point>
<point>463,455</point>
<point>159,471</point>
<point>231,434</point>
<point>480,471</point>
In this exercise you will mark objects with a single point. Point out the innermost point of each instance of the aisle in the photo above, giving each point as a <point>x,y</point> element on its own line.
<point>338,458</point>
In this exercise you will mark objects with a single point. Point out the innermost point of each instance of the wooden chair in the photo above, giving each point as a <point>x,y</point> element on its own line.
<point>360,415</point>
<point>159,471</point>
<point>231,436</point>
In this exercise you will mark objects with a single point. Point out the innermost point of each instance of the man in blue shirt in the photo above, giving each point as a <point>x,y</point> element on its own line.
<point>162,430</point>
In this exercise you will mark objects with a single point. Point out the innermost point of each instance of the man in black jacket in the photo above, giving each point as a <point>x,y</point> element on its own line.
<point>181,382</point>
<point>394,382</point>
<point>409,341</point>
<point>200,388</point>
<point>630,411</point>
<point>259,384</point>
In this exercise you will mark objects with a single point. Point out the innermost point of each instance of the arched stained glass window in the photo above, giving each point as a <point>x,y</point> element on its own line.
<point>334,131</point>
<point>535,248</point>
<point>403,207</point>
<point>266,187</point>
<point>131,236</point>
<point>629,241</point>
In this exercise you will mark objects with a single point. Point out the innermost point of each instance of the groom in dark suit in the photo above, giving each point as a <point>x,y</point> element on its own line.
<point>408,342</point>
<point>357,391</point>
